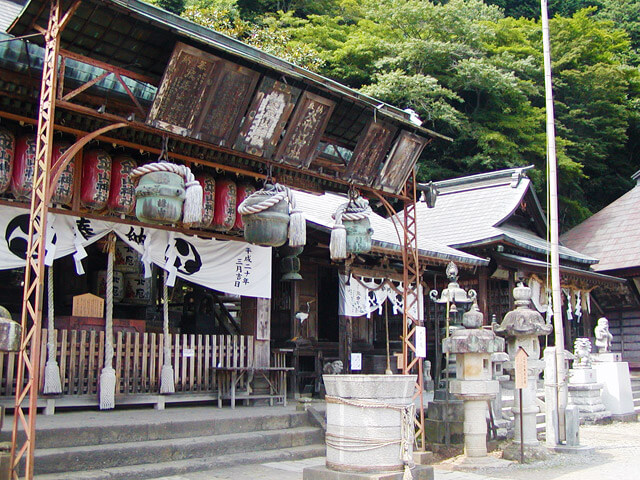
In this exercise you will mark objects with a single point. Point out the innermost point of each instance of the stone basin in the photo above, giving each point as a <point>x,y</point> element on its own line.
<point>357,435</point>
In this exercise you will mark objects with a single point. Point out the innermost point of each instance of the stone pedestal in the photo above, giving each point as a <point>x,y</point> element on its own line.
<point>529,409</point>
<point>616,392</point>
<point>585,394</point>
<point>443,425</point>
<point>419,472</point>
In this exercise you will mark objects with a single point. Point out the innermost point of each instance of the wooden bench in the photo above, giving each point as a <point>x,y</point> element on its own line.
<point>231,377</point>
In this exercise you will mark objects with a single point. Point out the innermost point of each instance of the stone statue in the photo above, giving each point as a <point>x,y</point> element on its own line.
<point>582,353</point>
<point>333,368</point>
<point>603,336</point>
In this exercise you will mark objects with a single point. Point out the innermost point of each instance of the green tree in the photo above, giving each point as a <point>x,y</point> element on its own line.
<point>173,6</point>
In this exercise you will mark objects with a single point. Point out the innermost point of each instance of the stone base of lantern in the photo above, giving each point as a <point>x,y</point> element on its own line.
<point>532,453</point>
<point>419,472</point>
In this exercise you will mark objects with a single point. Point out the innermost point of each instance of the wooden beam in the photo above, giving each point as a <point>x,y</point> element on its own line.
<point>137,146</point>
<point>110,68</point>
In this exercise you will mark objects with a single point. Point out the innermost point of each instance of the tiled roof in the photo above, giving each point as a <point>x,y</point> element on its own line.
<point>471,211</point>
<point>319,209</point>
<point>612,235</point>
<point>9,10</point>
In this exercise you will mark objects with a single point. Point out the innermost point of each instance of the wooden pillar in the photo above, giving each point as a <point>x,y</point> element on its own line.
<point>345,342</point>
<point>483,294</point>
<point>512,285</point>
<point>256,321</point>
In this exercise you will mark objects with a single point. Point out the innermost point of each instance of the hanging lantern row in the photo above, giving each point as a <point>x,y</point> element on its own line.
<point>271,217</point>
<point>109,183</point>
<point>106,182</point>
<point>352,230</point>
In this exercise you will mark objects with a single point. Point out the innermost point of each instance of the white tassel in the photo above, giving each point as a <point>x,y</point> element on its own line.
<point>107,388</point>
<point>297,229</point>
<point>167,384</point>
<point>338,244</point>
<point>192,209</point>
<point>52,383</point>
<point>407,473</point>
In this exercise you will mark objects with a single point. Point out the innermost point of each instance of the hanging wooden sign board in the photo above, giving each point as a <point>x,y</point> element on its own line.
<point>364,166</point>
<point>400,161</point>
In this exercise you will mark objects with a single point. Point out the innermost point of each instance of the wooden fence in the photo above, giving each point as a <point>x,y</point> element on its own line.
<point>138,360</point>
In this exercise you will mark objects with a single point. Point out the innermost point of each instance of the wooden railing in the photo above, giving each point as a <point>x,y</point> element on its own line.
<point>138,360</point>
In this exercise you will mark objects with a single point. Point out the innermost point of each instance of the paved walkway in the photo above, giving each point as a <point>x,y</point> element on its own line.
<point>617,457</point>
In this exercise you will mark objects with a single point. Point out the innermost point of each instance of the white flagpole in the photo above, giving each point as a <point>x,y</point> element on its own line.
<point>553,224</point>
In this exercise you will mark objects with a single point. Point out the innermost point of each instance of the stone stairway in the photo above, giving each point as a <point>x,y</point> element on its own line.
<point>149,444</point>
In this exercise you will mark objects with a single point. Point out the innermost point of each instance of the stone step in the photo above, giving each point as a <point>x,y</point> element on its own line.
<point>112,455</point>
<point>146,425</point>
<point>163,469</point>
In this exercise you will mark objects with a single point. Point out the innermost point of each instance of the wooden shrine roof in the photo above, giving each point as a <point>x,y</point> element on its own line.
<point>327,127</point>
<point>612,234</point>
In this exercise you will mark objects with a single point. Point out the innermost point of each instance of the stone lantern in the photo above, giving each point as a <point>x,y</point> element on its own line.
<point>473,347</point>
<point>443,425</point>
<point>522,327</point>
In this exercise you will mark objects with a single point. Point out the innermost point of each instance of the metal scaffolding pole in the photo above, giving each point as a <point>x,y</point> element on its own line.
<point>34,274</point>
<point>411,277</point>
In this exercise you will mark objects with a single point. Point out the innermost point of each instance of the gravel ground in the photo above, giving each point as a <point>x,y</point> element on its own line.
<point>616,457</point>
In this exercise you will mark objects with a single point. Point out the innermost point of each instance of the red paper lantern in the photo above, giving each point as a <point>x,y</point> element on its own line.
<point>208,184</point>
<point>24,165</point>
<point>96,179</point>
<point>122,198</point>
<point>225,205</point>
<point>7,147</point>
<point>63,192</point>
<point>244,190</point>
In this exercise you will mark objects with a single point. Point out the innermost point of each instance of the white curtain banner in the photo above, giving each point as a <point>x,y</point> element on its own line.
<point>225,265</point>
<point>363,295</point>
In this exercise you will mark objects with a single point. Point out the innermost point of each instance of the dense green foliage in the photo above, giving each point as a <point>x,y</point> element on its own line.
<point>473,71</point>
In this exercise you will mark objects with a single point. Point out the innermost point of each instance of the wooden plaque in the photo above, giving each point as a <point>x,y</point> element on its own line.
<point>88,305</point>
<point>267,116</point>
<point>371,149</point>
<point>181,93</point>
<point>521,368</point>
<point>305,129</point>
<point>226,100</point>
<point>401,160</point>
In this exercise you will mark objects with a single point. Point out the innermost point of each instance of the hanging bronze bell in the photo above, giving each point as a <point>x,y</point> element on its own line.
<point>290,263</point>
<point>10,332</point>
<point>359,234</point>
<point>269,227</point>
<point>159,197</point>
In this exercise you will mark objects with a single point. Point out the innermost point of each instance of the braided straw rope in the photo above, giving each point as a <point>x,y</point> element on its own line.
<point>297,223</point>
<point>182,170</point>
<point>192,208</point>
<point>265,204</point>
<point>352,444</point>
